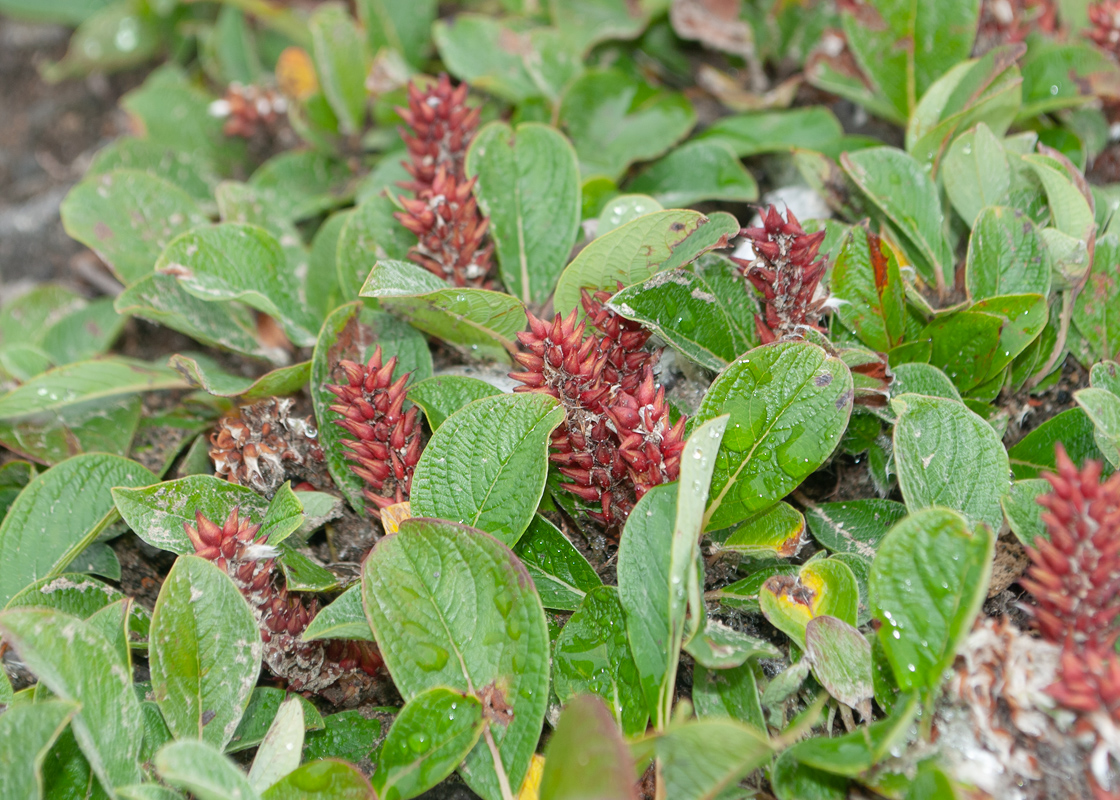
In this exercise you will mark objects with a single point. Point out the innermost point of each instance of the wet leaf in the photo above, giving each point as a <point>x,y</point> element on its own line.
<point>205,373</point>
<point>296,185</point>
<point>451,606</point>
<point>1103,409</point>
<point>280,750</point>
<point>327,779</point>
<point>614,120</point>
<point>486,465</point>
<point>528,184</point>
<point>728,693</point>
<point>1006,256</point>
<point>370,234</point>
<point>792,780</point>
<point>205,652</point>
<point>192,172</point>
<point>429,738</point>
<point>866,276</point>
<point>592,656</point>
<point>1020,506</point>
<point>624,208</point>
<point>718,646</point>
<point>1059,75</point>
<point>976,173</point>
<point>1096,311</point>
<point>965,346</point>
<point>78,664</point>
<point>946,455</point>
<point>694,172</point>
<point>855,753</point>
<point>479,322</point>
<point>201,769</point>
<point>58,514</point>
<point>853,526</point>
<point>701,758</point>
<point>632,253</point>
<point>81,596</point>
<point>264,703</point>
<point>841,660</point>
<point>680,307</point>
<point>113,38</point>
<point>906,197</point>
<point>927,583</point>
<point>1034,453</point>
<point>562,575</point>
<point>239,262</point>
<point>789,404</point>
<point>775,531</point>
<point>346,735</point>
<point>158,512</point>
<point>442,396</point>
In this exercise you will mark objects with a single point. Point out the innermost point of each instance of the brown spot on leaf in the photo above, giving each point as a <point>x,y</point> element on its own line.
<point>677,226</point>
<point>102,232</point>
<point>494,705</point>
<point>843,400</point>
<point>791,587</point>
<point>208,716</point>
<point>822,380</point>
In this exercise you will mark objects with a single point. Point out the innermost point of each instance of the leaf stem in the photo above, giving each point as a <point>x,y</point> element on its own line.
<point>499,767</point>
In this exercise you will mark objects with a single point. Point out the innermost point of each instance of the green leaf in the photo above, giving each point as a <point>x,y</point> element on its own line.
<point>127,217</point>
<point>341,63</point>
<point>201,769</point>
<point>370,234</point>
<point>1006,256</point>
<point>58,515</point>
<point>1105,375</point>
<point>718,646</point>
<point>592,656</point>
<point>478,322</point>
<point>301,574</point>
<point>1024,514</point>
<point>231,261</point>
<point>81,596</point>
<point>83,334</point>
<point>789,404</point>
<point>65,12</point>
<point>1069,208</point>
<point>587,753</point>
<point>697,171</point>
<point>157,513</point>
<point>205,652</point>
<point>1103,408</point>
<point>632,253</point>
<point>904,46</point>
<point>728,693</point>
<point>508,58</point>
<point>442,396</point>
<point>162,299</point>
<point>295,185</point>
<point>946,455</point>
<point>562,575</point>
<point>867,278</point>
<point>906,197</point>
<point>702,758</point>
<point>1034,453</point>
<point>27,733</point>
<point>346,735</point>
<point>205,373</point>
<point>486,465</point>
<point>976,173</point>
<point>1096,311</point>
<point>823,586</point>
<point>344,618</point>
<point>404,28</point>
<point>77,663</point>
<point>680,307</point>
<point>327,779</point>
<point>615,120</point>
<point>114,38</point>
<point>775,531</point>
<point>791,780</point>
<point>1059,75</point>
<point>853,526</point>
<point>986,89</point>
<point>451,606</point>
<point>841,661</point>
<point>280,751</point>
<point>584,23</point>
<point>431,736</point>
<point>353,332</point>
<point>657,559</point>
<point>813,128</point>
<point>528,184</point>
<point>855,753</point>
<point>259,714</point>
<point>194,173</point>
<point>927,583</point>
<point>965,346</point>
<point>624,208</point>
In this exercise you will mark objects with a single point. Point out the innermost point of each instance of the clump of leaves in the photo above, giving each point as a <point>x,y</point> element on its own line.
<point>336,229</point>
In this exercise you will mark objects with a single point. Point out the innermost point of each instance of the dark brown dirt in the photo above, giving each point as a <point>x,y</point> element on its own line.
<point>48,133</point>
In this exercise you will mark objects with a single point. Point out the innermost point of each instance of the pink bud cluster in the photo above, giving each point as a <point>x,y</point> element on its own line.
<point>342,671</point>
<point>617,441</point>
<point>443,213</point>
<point>785,269</point>
<point>1075,580</point>
<point>1104,18</point>
<point>386,444</point>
